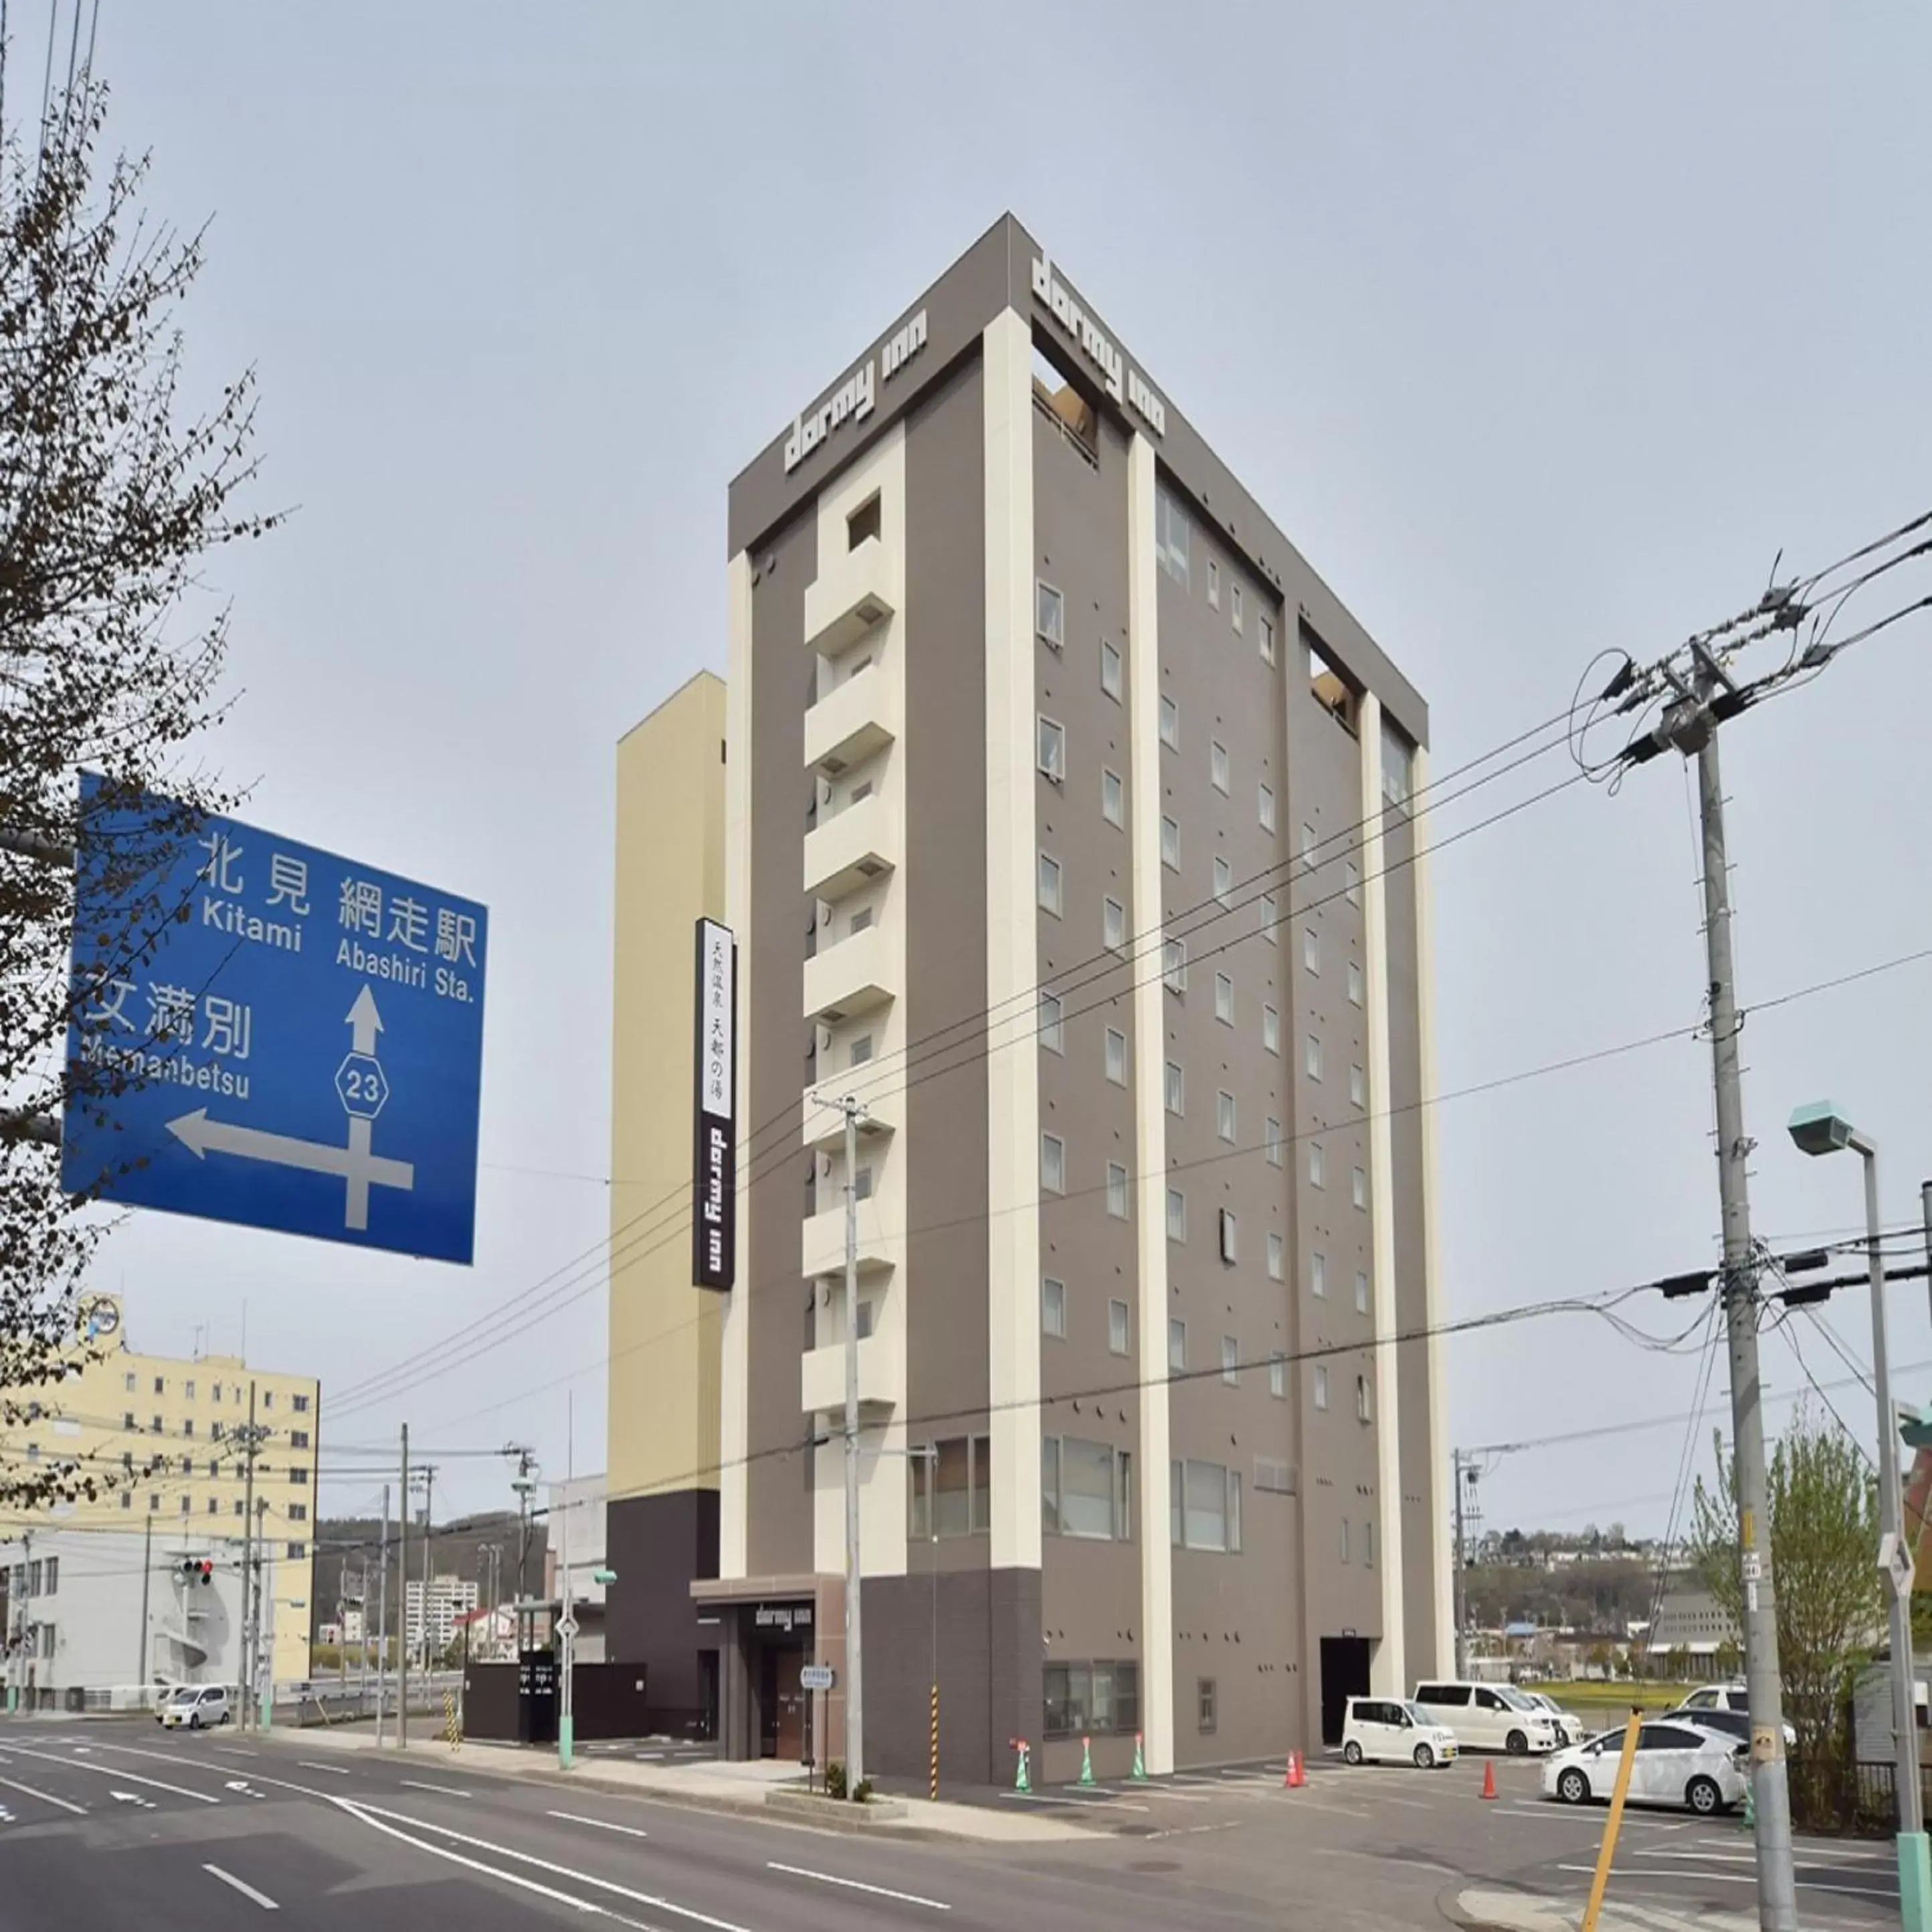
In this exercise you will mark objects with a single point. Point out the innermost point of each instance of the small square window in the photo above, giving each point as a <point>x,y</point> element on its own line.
<point>863,522</point>
<point>1358,1087</point>
<point>1170,844</point>
<point>1224,880</point>
<point>1311,1057</point>
<point>1365,1410</point>
<point>1052,750</point>
<point>1224,1116</point>
<point>1264,806</point>
<point>1360,1189</point>
<point>1053,1308</point>
<point>1117,1057</point>
<point>160,1385</point>
<point>1277,1380</point>
<point>1051,1035</point>
<point>1355,984</point>
<point>1309,842</point>
<point>860,1050</point>
<point>1113,798</point>
<point>188,1390</point>
<point>861,1184</point>
<point>1204,1703</point>
<point>1235,608</point>
<point>1267,639</point>
<point>1049,615</point>
<point>1170,724</point>
<point>860,920</point>
<point>1052,1164</point>
<point>1231,1361</point>
<point>1110,670</point>
<point>1217,766</point>
<point>1315,1166</point>
<point>1270,1030</point>
<point>1049,884</point>
<point>1361,1291</point>
<point>1118,1331</point>
<point>1177,1344</point>
<point>1321,1402</point>
<point>1117,1190</point>
<point>1176,1215</point>
<point>1351,882</point>
<point>1271,1141</point>
<point>1224,999</point>
<point>1113,925</point>
<point>1277,1257</point>
<point>1311,950</point>
<point>1175,1088</point>
<point>129,1384</point>
<point>1173,964</point>
<point>1229,1231</point>
<point>1213,584</point>
<point>1271,918</point>
<point>1368,1546</point>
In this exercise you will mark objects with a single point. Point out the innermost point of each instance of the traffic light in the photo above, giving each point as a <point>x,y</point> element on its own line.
<point>207,1571</point>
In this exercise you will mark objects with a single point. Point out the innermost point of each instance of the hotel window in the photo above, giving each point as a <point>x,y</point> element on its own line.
<point>160,1385</point>
<point>1049,615</point>
<point>1204,1705</point>
<point>1117,1190</point>
<point>1331,693</point>
<point>1364,1405</point>
<point>1117,1329</point>
<point>1231,1361</point>
<point>1083,1700</point>
<point>1368,1545</point>
<point>1396,766</point>
<point>1113,925</point>
<point>1355,984</point>
<point>1224,999</point>
<point>1170,724</point>
<point>1270,1030</point>
<point>1052,1164</point>
<point>859,1052</point>
<point>1265,806</point>
<point>127,1499</point>
<point>1358,1087</point>
<point>186,1503</point>
<point>1117,1057</point>
<point>861,1184</point>
<point>1052,754</point>
<point>129,1384</point>
<point>1173,964</point>
<point>1277,1256</point>
<point>1322,1392</point>
<point>863,522</point>
<point>1360,1189</point>
<point>1309,842</point>
<point>1207,1508</point>
<point>188,1390</point>
<point>1361,1291</point>
<point>1051,1036</point>
<point>1324,1404</point>
<point>1270,918</point>
<point>1053,1307</point>
<point>1177,1344</point>
<point>1213,584</point>
<point>1351,882</point>
<point>1277,1380</point>
<point>1176,1215</point>
<point>1170,536</point>
<point>1087,1489</point>
<point>1217,766</point>
<point>1235,607</point>
<point>1170,844</point>
<point>1311,950</point>
<point>1315,1165</point>
<point>1049,885</point>
<point>1175,1088</point>
<point>1267,639</point>
<point>1271,1141</point>
<point>860,920</point>
<point>1224,1116</point>
<point>1224,880</point>
<point>1311,1057</point>
<point>1110,670</point>
<point>1113,797</point>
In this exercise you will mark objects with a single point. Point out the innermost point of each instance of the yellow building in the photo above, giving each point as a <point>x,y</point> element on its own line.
<point>158,1435</point>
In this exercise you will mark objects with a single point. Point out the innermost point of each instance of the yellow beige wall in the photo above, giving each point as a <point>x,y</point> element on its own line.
<point>670,872</point>
<point>157,1416</point>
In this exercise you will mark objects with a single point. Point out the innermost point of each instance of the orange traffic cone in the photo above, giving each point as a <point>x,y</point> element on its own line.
<point>1296,1777</point>
<point>1489,1777</point>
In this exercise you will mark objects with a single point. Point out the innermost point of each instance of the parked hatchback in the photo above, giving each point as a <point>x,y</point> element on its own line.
<point>1487,1717</point>
<point>1679,1764</point>
<point>198,1707</point>
<point>1384,1728</point>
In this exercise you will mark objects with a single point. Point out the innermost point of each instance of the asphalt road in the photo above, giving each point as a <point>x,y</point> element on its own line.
<point>109,1826</point>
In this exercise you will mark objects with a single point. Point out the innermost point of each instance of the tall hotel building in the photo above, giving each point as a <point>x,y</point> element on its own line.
<point>1067,825</point>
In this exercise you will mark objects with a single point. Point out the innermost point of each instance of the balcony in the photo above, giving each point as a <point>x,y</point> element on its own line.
<point>848,978</point>
<point>853,593</point>
<point>852,722</point>
<point>822,1245</point>
<point>825,1126</point>
<point>822,1378</point>
<point>851,849</point>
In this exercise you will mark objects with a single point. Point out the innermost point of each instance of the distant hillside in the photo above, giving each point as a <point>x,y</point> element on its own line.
<point>352,1544</point>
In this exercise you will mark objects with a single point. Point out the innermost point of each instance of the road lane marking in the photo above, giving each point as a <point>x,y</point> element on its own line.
<point>128,1777</point>
<point>45,1797</point>
<point>602,1824</point>
<point>234,1750</point>
<point>362,1816</point>
<point>334,1770</point>
<point>247,1890</point>
<point>448,1790</point>
<point>856,1885</point>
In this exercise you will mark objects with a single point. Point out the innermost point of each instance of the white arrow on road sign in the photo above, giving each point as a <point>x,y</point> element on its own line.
<point>566,1627</point>
<point>365,1019</point>
<point>354,1163</point>
<point>128,1798</point>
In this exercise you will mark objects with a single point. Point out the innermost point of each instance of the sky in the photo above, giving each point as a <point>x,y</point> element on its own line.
<point>1542,332</point>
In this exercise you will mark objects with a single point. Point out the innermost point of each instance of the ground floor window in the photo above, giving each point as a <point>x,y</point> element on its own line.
<point>1087,1699</point>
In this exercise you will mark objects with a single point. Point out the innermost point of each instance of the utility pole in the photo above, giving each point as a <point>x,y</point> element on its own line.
<point>524,1483</point>
<point>402,1591</point>
<point>853,1110</point>
<point>1459,1599</point>
<point>1693,729</point>
<point>429,1493</point>
<point>382,1620</point>
<point>248,1563</point>
<point>147,1566</point>
<point>566,1718</point>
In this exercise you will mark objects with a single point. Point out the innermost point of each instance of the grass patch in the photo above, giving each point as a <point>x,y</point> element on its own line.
<point>1583,1694</point>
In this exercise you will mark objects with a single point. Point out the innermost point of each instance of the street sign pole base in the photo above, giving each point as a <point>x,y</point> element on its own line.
<point>1915,1883</point>
<point>566,1739</point>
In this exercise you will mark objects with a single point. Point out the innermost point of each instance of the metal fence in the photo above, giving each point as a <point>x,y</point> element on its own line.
<point>1848,1797</point>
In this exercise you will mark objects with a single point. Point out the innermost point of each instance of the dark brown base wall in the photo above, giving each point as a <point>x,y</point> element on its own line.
<point>657,1544</point>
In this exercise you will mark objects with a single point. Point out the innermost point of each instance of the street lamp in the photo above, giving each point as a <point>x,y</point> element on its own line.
<point>1820,1129</point>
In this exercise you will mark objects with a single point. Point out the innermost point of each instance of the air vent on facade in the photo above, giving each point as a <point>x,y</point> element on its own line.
<point>870,612</point>
<point>831,767</point>
<point>832,1015</point>
<point>1274,1475</point>
<point>871,868</point>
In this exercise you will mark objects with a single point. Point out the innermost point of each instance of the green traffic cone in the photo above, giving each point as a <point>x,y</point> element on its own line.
<point>1139,1774</point>
<point>1086,1761</point>
<point>1022,1782</point>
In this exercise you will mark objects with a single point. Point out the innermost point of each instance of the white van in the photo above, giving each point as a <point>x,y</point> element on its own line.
<point>1488,1716</point>
<point>1383,1729</point>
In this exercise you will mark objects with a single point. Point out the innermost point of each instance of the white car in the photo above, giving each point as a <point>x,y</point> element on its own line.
<point>1676,1764</point>
<point>1487,1717</point>
<point>1386,1729</point>
<point>197,1706</point>
<point>1569,1727</point>
<point>1724,1697</point>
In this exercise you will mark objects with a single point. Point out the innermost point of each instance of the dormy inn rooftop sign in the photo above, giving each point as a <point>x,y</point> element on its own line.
<point>1105,356</point>
<point>856,398</point>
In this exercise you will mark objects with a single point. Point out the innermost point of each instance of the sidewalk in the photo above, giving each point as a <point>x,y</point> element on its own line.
<point>1483,1909</point>
<point>713,1785</point>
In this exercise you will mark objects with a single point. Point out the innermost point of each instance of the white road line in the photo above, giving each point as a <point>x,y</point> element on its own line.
<point>602,1824</point>
<point>361,1817</point>
<point>126,1777</point>
<point>334,1770</point>
<point>45,1797</point>
<point>856,1884</point>
<point>247,1891</point>
<point>1194,1830</point>
<point>448,1790</point>
<point>234,1750</point>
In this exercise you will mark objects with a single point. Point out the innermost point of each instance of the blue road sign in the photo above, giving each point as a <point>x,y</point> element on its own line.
<point>271,1034</point>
